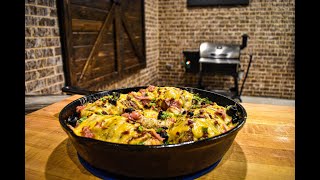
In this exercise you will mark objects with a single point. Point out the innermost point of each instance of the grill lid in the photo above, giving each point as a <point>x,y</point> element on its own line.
<point>219,61</point>
<point>219,51</point>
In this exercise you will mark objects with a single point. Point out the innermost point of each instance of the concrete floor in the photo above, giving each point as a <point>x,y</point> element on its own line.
<point>34,102</point>
<point>265,100</point>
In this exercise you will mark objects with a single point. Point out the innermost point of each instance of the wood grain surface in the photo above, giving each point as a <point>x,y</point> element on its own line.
<point>263,149</point>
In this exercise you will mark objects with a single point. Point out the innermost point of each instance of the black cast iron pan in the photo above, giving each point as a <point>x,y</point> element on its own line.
<point>141,161</point>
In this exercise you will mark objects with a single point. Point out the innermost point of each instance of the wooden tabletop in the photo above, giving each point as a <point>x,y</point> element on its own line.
<point>263,149</point>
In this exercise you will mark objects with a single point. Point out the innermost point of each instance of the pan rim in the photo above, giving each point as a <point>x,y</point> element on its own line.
<point>184,144</point>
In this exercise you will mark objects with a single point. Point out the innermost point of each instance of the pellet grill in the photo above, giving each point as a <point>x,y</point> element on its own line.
<point>222,59</point>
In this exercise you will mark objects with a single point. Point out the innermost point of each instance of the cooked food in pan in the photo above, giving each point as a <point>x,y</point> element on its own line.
<point>153,116</point>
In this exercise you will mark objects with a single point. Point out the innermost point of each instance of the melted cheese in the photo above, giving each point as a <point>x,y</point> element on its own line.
<point>178,129</point>
<point>106,122</point>
<point>114,128</point>
<point>169,93</point>
<point>186,99</point>
<point>150,113</point>
<point>201,123</point>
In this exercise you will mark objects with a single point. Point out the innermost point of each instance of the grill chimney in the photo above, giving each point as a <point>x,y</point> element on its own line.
<point>244,41</point>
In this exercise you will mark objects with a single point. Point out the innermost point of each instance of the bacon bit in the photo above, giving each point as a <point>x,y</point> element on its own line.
<point>172,120</point>
<point>125,115</point>
<point>225,127</point>
<point>98,124</point>
<point>145,102</point>
<point>79,108</point>
<point>142,91</point>
<point>202,116</point>
<point>151,88</point>
<point>216,122</point>
<point>221,112</point>
<point>156,135</point>
<point>223,115</point>
<point>125,132</point>
<point>134,115</point>
<point>190,123</point>
<point>70,126</point>
<point>105,113</point>
<point>201,111</point>
<point>141,97</point>
<point>86,132</point>
<point>167,103</point>
<point>176,103</point>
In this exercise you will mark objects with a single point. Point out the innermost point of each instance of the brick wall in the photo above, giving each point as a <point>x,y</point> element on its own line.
<point>171,28</point>
<point>43,62</point>
<point>270,25</point>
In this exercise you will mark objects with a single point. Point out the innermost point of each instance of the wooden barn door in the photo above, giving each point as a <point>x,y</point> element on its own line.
<point>102,40</point>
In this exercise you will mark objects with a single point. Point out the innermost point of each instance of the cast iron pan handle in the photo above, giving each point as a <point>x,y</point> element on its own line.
<point>76,90</point>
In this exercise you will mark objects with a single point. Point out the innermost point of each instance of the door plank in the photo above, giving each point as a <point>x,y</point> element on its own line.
<point>118,42</point>
<point>98,4</point>
<point>87,13</point>
<point>86,25</point>
<point>65,23</point>
<point>105,25</point>
<point>132,38</point>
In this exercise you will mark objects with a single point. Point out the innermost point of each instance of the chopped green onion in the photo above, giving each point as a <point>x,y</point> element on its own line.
<point>197,97</point>
<point>152,104</point>
<point>195,106</point>
<point>207,101</point>
<point>82,119</point>
<point>165,115</point>
<point>159,130</point>
<point>140,128</point>
<point>205,130</point>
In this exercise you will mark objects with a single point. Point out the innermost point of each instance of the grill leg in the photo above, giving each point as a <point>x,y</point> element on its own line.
<point>200,77</point>
<point>236,89</point>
